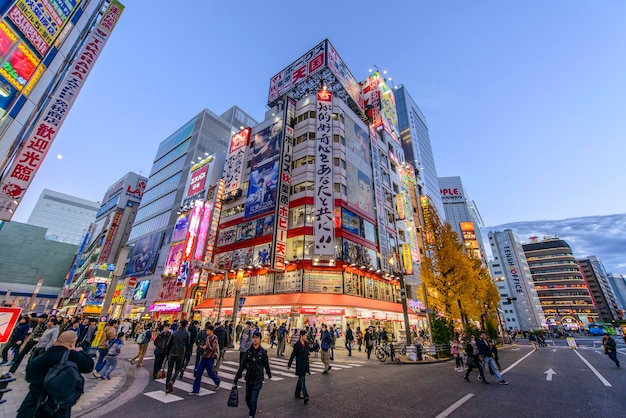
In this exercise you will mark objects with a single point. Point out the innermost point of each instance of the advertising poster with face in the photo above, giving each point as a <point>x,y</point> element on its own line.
<point>181,228</point>
<point>242,258</point>
<point>224,261</point>
<point>359,168</point>
<point>144,255</point>
<point>266,145</point>
<point>265,226</point>
<point>227,236</point>
<point>262,190</point>
<point>246,230</point>
<point>174,259</point>
<point>262,254</point>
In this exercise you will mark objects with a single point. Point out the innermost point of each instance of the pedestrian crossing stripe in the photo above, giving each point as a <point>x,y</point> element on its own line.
<point>228,370</point>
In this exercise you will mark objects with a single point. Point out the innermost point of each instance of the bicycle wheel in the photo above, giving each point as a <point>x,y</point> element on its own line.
<point>381,354</point>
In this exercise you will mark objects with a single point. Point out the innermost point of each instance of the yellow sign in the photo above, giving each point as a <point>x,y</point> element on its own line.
<point>98,336</point>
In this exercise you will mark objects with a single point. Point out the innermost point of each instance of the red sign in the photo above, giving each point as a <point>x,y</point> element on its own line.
<point>198,180</point>
<point>8,319</point>
<point>308,310</point>
<point>132,281</point>
<point>330,311</point>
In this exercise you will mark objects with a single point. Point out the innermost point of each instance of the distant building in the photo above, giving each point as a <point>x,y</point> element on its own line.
<point>519,302</point>
<point>600,288</point>
<point>618,283</point>
<point>27,257</point>
<point>66,217</point>
<point>562,289</point>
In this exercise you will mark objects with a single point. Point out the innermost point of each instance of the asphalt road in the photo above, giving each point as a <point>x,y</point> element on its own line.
<point>358,388</point>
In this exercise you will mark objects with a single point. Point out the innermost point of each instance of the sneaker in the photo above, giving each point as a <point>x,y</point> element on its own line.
<point>169,387</point>
<point>504,382</point>
<point>108,377</point>
<point>299,397</point>
<point>94,375</point>
<point>306,399</point>
<point>102,377</point>
<point>11,363</point>
<point>217,385</point>
<point>193,393</point>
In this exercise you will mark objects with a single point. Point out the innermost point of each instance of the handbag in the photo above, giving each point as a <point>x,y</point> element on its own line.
<point>233,398</point>
<point>325,346</point>
<point>161,374</point>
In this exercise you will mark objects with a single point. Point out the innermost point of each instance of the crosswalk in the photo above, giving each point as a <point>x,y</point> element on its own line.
<point>227,372</point>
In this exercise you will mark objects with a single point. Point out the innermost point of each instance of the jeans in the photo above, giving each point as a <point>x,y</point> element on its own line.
<point>177,362</point>
<point>281,347</point>
<point>349,346</point>
<point>613,356</point>
<point>109,365</point>
<point>252,394</point>
<point>9,345</point>
<point>17,359</point>
<point>102,353</point>
<point>222,353</point>
<point>158,363</point>
<point>301,387</point>
<point>205,364</point>
<point>489,361</point>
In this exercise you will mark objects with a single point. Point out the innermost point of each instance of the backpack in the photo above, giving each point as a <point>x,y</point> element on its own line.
<point>62,387</point>
<point>141,338</point>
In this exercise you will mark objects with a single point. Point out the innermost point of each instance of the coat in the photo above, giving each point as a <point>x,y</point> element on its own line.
<point>37,369</point>
<point>178,343</point>
<point>254,361</point>
<point>301,354</point>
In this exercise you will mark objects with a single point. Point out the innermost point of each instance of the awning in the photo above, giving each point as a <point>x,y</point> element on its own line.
<point>307,299</point>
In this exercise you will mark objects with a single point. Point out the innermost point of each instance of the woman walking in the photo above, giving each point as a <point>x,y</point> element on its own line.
<point>301,353</point>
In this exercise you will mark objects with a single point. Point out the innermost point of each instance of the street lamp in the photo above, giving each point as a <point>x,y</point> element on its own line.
<point>405,310</point>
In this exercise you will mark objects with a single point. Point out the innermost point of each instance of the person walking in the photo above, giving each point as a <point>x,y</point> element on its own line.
<point>370,340</point>
<point>222,339</point>
<point>455,350</point>
<point>200,341</point>
<point>359,337</point>
<point>485,355</point>
<point>37,369</point>
<point>47,339</point>
<point>472,360</point>
<point>18,336</point>
<point>300,353</point>
<point>209,355</point>
<point>110,362</point>
<point>610,348</point>
<point>255,360</point>
<point>193,329</point>
<point>281,335</point>
<point>327,340</point>
<point>103,347</point>
<point>35,335</point>
<point>349,338</point>
<point>143,339</point>
<point>533,340</point>
<point>176,354</point>
<point>245,340</point>
<point>333,335</point>
<point>160,349</point>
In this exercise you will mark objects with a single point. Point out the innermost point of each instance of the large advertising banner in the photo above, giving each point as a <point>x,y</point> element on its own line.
<point>262,190</point>
<point>174,259</point>
<point>144,255</point>
<point>371,99</point>
<point>47,125</point>
<point>345,77</point>
<point>203,231</point>
<point>266,145</point>
<point>308,64</point>
<point>378,187</point>
<point>324,228</point>
<point>198,179</point>
<point>284,184</point>
<point>194,225</point>
<point>359,169</point>
<point>233,169</point>
<point>212,233</point>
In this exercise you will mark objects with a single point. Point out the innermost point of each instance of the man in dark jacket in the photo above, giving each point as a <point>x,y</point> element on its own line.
<point>40,328</point>
<point>37,369</point>
<point>349,338</point>
<point>254,361</point>
<point>222,338</point>
<point>176,354</point>
<point>160,349</point>
<point>193,335</point>
<point>18,336</point>
<point>485,356</point>
<point>300,352</point>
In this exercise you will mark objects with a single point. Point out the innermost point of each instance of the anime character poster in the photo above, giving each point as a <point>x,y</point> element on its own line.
<point>174,259</point>
<point>141,290</point>
<point>144,255</point>
<point>227,236</point>
<point>223,260</point>
<point>262,255</point>
<point>181,228</point>
<point>265,226</point>
<point>359,168</point>
<point>242,258</point>
<point>97,292</point>
<point>246,230</point>
<point>266,145</point>
<point>262,190</point>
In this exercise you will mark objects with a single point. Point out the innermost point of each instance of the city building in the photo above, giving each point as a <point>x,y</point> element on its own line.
<point>66,217</point>
<point>519,304</point>
<point>26,281</point>
<point>618,284</point>
<point>417,147</point>
<point>186,164</point>
<point>562,289</point>
<point>47,53</point>
<point>600,288</point>
<point>318,227</point>
<point>93,275</point>
<point>462,215</point>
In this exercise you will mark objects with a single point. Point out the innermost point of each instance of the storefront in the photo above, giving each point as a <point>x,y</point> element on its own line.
<point>166,310</point>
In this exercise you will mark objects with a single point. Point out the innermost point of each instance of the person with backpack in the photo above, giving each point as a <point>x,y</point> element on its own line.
<point>110,361</point>
<point>280,336</point>
<point>143,339</point>
<point>160,351</point>
<point>176,354</point>
<point>64,384</point>
<point>327,341</point>
<point>200,341</point>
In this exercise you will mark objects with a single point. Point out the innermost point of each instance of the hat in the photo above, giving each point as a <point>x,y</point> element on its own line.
<point>257,334</point>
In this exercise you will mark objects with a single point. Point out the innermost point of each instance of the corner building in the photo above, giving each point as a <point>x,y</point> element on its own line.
<point>312,235</point>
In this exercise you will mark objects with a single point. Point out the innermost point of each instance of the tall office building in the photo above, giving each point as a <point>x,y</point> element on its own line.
<point>417,147</point>
<point>66,217</point>
<point>519,303</point>
<point>600,288</point>
<point>462,215</point>
<point>562,289</point>
<point>48,49</point>
<point>202,142</point>
<point>618,284</point>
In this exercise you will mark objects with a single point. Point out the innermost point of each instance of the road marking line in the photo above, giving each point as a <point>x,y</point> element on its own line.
<point>516,363</point>
<point>455,406</point>
<point>593,369</point>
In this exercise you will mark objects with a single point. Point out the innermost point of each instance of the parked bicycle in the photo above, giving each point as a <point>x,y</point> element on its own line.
<point>390,350</point>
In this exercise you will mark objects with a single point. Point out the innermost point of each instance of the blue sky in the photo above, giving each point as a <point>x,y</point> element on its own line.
<point>524,100</point>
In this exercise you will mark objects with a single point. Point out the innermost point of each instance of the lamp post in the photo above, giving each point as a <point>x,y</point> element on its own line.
<point>219,310</point>
<point>405,310</point>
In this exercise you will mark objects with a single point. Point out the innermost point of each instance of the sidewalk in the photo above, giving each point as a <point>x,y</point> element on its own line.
<point>100,397</point>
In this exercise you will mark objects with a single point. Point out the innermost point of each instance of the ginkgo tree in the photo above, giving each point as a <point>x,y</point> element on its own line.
<point>459,287</point>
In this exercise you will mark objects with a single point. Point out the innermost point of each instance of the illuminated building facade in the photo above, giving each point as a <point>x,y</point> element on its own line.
<point>47,48</point>
<point>310,230</point>
<point>562,289</point>
<point>600,289</point>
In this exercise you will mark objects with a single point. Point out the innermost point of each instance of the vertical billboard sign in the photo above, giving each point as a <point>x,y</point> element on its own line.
<point>47,125</point>
<point>233,169</point>
<point>388,110</point>
<point>305,66</point>
<point>212,235</point>
<point>407,176</point>
<point>324,228</point>
<point>194,225</point>
<point>203,231</point>
<point>378,187</point>
<point>284,184</point>
<point>345,77</point>
<point>371,100</point>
